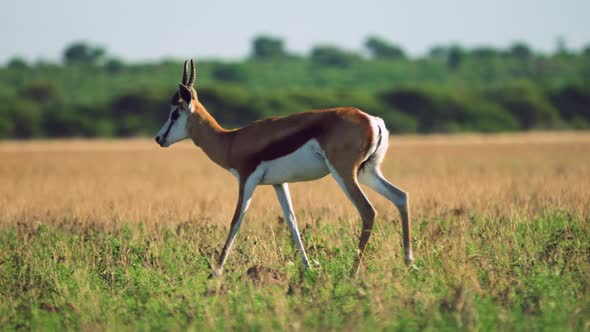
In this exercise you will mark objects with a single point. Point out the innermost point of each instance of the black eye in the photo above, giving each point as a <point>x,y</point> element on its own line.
<point>174,115</point>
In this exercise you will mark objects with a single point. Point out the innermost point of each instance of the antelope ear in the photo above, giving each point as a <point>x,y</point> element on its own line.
<point>185,93</point>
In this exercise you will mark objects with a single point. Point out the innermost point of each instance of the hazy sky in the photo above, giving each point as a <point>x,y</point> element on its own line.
<point>139,30</point>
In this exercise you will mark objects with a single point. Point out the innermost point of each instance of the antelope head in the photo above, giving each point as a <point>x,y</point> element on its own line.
<point>181,105</point>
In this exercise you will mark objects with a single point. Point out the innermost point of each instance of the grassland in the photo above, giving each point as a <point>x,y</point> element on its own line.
<point>116,235</point>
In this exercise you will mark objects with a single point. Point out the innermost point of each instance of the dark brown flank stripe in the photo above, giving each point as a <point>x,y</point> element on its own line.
<point>282,147</point>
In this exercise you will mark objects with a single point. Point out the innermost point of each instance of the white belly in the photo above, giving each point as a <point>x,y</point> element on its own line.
<point>304,164</point>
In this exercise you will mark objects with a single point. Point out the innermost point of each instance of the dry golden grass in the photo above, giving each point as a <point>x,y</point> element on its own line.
<point>500,237</point>
<point>129,181</point>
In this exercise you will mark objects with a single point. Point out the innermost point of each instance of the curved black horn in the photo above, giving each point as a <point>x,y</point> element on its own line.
<point>191,81</point>
<point>185,74</point>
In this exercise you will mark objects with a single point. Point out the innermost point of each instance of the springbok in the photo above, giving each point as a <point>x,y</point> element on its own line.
<point>345,142</point>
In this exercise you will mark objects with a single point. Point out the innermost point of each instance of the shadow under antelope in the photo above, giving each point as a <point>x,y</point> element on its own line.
<point>345,142</point>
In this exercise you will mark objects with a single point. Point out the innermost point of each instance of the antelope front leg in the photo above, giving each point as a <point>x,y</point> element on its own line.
<point>244,198</point>
<point>284,197</point>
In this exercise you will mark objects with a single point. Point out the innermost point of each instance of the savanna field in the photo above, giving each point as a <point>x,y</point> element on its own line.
<point>122,234</point>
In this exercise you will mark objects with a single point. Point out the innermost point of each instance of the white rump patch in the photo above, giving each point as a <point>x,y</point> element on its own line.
<point>378,145</point>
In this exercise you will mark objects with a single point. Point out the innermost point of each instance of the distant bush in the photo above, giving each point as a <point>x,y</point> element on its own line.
<point>140,112</point>
<point>17,63</point>
<point>573,103</point>
<point>20,118</point>
<point>527,104</point>
<point>229,104</point>
<point>229,72</point>
<point>438,112</point>
<point>520,51</point>
<point>381,49</point>
<point>267,47</point>
<point>82,53</point>
<point>114,65</point>
<point>333,56</point>
<point>43,93</point>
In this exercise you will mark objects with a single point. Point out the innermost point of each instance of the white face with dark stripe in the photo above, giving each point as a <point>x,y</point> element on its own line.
<point>174,129</point>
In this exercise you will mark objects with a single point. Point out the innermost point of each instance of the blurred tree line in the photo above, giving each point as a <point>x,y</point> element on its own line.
<point>451,89</point>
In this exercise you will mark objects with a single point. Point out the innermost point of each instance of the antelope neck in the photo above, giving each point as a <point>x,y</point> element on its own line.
<point>207,134</point>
